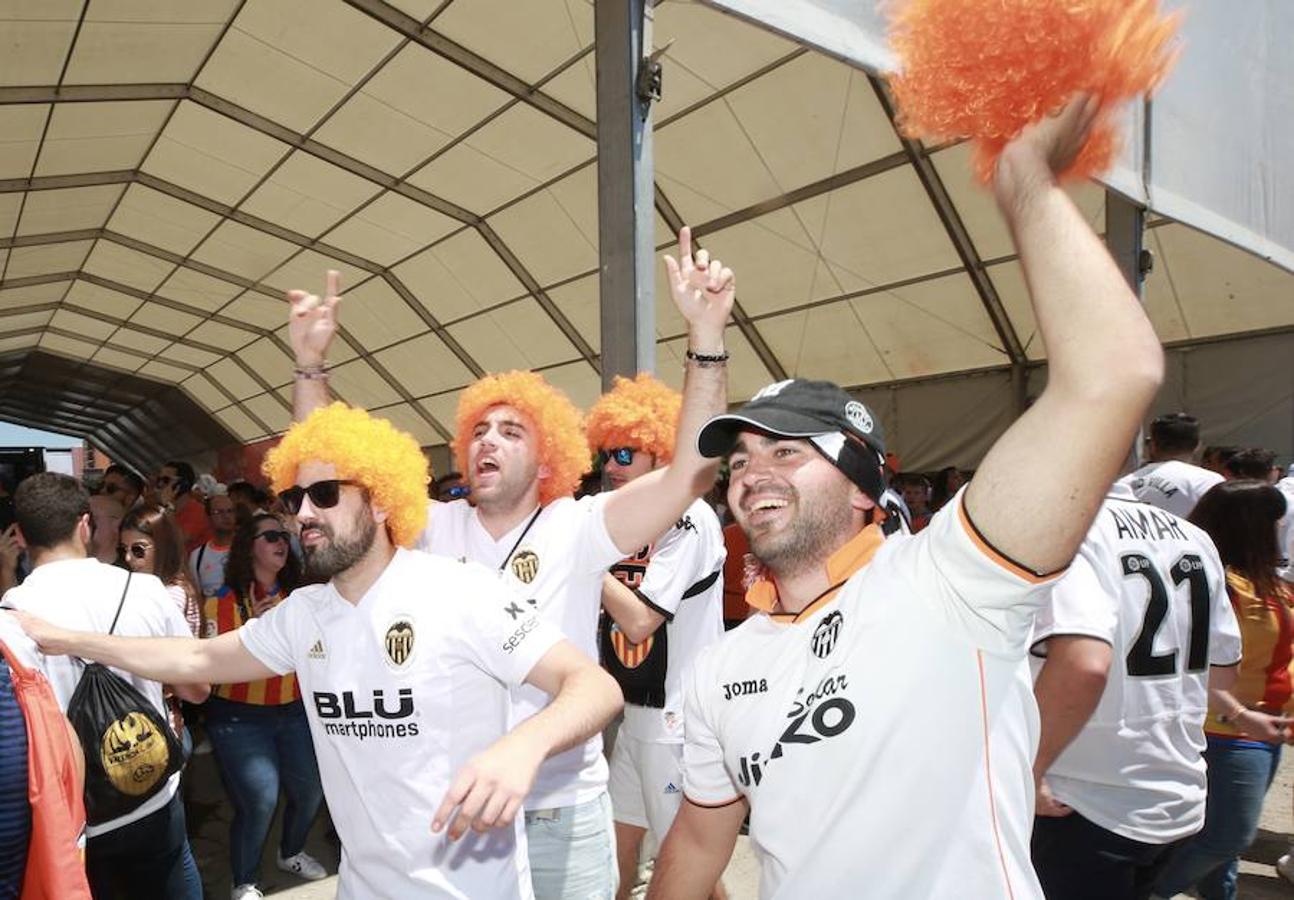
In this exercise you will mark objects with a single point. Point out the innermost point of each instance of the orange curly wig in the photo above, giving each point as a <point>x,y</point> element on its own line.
<point>558,425</point>
<point>984,69</point>
<point>642,413</point>
<point>363,448</point>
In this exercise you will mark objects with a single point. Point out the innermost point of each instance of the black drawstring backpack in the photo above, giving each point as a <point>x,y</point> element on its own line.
<point>130,750</point>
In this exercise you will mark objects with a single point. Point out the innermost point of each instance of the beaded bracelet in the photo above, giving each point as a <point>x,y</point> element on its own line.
<point>311,373</point>
<point>707,358</point>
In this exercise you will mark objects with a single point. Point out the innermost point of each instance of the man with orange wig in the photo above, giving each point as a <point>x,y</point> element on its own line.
<point>521,444</point>
<point>406,683</point>
<point>675,582</point>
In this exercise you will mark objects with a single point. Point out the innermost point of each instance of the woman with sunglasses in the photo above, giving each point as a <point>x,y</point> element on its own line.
<point>152,544</point>
<point>259,729</point>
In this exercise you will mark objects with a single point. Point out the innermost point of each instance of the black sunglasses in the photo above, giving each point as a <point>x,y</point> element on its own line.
<point>622,455</point>
<point>323,494</point>
<point>273,537</point>
<point>138,549</point>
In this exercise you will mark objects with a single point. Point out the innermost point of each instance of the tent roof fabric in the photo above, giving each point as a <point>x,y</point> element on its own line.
<point>168,171</point>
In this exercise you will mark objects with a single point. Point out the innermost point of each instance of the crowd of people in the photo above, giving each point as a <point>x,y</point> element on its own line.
<point>1042,680</point>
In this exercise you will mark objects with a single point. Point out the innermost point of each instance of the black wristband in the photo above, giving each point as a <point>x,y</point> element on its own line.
<point>706,357</point>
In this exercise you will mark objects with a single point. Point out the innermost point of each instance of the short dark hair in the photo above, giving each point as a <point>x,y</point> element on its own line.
<point>1221,455</point>
<point>185,473</point>
<point>206,501</point>
<point>133,478</point>
<point>1253,462</point>
<point>1176,433</point>
<point>47,507</point>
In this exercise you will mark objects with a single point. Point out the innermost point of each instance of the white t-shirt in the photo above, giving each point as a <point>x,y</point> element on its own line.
<point>1172,485</point>
<point>401,690</point>
<point>207,563</point>
<point>82,594</point>
<point>1151,585</point>
<point>555,562</point>
<point>1285,530</point>
<point>885,737</point>
<point>681,577</point>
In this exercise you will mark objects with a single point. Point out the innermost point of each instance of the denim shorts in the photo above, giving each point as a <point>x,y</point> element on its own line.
<point>572,851</point>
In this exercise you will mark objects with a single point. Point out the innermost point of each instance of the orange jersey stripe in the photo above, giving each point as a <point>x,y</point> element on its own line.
<point>226,612</point>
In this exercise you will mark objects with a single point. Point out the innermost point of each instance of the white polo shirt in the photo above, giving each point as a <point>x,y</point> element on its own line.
<point>554,560</point>
<point>885,736</point>
<point>82,594</point>
<point>681,577</point>
<point>401,690</point>
<point>1172,485</point>
<point>1151,585</point>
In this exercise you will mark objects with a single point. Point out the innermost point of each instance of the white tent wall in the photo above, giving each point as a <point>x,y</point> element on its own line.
<point>1221,130</point>
<point>1241,390</point>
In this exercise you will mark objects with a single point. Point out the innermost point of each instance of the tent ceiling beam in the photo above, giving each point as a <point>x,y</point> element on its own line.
<point>955,229</point>
<point>478,65</point>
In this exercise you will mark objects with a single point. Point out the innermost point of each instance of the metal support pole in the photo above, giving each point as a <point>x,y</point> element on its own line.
<point>1125,226</point>
<point>626,81</point>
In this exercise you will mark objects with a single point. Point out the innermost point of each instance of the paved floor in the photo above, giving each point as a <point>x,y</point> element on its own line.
<point>209,815</point>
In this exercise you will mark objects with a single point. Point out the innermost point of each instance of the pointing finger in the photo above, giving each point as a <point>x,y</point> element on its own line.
<point>685,243</point>
<point>454,796</point>
<point>333,282</point>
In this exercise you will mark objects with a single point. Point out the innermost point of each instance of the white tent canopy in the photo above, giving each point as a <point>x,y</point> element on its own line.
<point>168,170</point>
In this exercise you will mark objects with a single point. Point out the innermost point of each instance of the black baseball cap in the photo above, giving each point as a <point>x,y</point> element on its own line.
<point>841,428</point>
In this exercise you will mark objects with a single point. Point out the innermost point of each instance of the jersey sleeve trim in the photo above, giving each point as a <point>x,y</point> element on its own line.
<point>646,601</point>
<point>703,585</point>
<point>721,805</point>
<point>997,556</point>
<point>1035,649</point>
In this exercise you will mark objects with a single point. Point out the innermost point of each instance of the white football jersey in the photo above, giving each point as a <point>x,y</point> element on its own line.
<point>555,561</point>
<point>681,577</point>
<point>1151,585</point>
<point>401,689</point>
<point>1172,485</point>
<point>884,737</point>
<point>1285,530</point>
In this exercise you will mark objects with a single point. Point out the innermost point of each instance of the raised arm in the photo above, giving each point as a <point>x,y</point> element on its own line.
<point>312,322</point>
<point>170,660</point>
<point>1040,485</point>
<point>488,791</point>
<point>703,290</point>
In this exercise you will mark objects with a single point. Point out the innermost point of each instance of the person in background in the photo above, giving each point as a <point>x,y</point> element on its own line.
<point>258,729</point>
<point>1253,462</point>
<point>1170,479</point>
<point>451,486</point>
<point>948,481</point>
<point>122,483</point>
<point>146,848</point>
<point>247,498</point>
<point>1215,458</point>
<point>207,562</point>
<point>1247,723</point>
<point>175,489</point>
<point>150,544</point>
<point>106,513</point>
<point>916,494</point>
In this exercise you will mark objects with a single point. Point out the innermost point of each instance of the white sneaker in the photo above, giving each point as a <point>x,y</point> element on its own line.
<point>1285,867</point>
<point>246,892</point>
<point>303,865</point>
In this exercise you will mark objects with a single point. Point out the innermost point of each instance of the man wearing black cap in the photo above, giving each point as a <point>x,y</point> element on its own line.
<point>875,715</point>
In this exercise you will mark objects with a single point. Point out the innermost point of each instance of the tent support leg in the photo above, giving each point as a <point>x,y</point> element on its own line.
<point>627,82</point>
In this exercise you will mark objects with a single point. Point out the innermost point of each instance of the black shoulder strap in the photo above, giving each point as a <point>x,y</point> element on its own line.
<point>120,603</point>
<point>197,566</point>
<point>503,566</point>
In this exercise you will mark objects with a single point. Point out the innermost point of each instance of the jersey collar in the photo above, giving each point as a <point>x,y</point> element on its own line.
<point>841,566</point>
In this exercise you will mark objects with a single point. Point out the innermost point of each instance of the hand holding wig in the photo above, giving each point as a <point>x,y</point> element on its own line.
<point>985,69</point>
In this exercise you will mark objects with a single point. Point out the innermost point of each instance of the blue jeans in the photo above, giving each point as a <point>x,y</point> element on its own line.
<point>1239,774</point>
<point>259,749</point>
<point>145,860</point>
<point>572,851</point>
